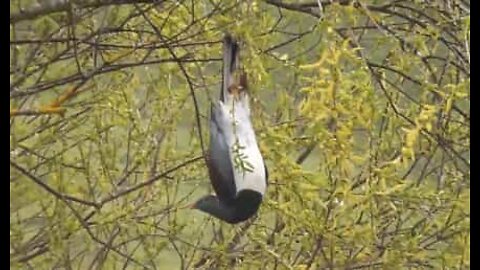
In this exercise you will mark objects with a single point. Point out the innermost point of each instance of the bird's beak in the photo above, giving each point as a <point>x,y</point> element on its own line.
<point>188,206</point>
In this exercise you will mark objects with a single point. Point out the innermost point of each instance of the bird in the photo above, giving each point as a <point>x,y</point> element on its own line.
<point>236,168</point>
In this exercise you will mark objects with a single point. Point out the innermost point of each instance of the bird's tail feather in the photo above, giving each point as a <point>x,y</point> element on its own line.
<point>230,61</point>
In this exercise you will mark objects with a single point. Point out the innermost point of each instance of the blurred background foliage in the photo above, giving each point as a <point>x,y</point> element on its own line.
<point>361,108</point>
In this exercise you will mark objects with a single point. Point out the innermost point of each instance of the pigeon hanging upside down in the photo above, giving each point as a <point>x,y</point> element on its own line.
<point>236,167</point>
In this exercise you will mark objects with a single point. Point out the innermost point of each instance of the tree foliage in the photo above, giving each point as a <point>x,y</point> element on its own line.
<point>361,109</point>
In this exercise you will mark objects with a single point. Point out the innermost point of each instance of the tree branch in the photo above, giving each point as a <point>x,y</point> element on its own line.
<point>49,7</point>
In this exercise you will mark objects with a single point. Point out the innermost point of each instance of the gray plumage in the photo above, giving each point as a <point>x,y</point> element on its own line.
<point>239,192</point>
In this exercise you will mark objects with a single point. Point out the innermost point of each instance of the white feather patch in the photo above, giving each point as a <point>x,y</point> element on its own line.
<point>239,132</point>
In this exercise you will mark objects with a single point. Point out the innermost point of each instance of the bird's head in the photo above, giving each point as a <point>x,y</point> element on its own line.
<point>211,205</point>
<point>244,207</point>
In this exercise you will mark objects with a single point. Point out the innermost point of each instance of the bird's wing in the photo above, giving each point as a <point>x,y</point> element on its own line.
<point>219,163</point>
